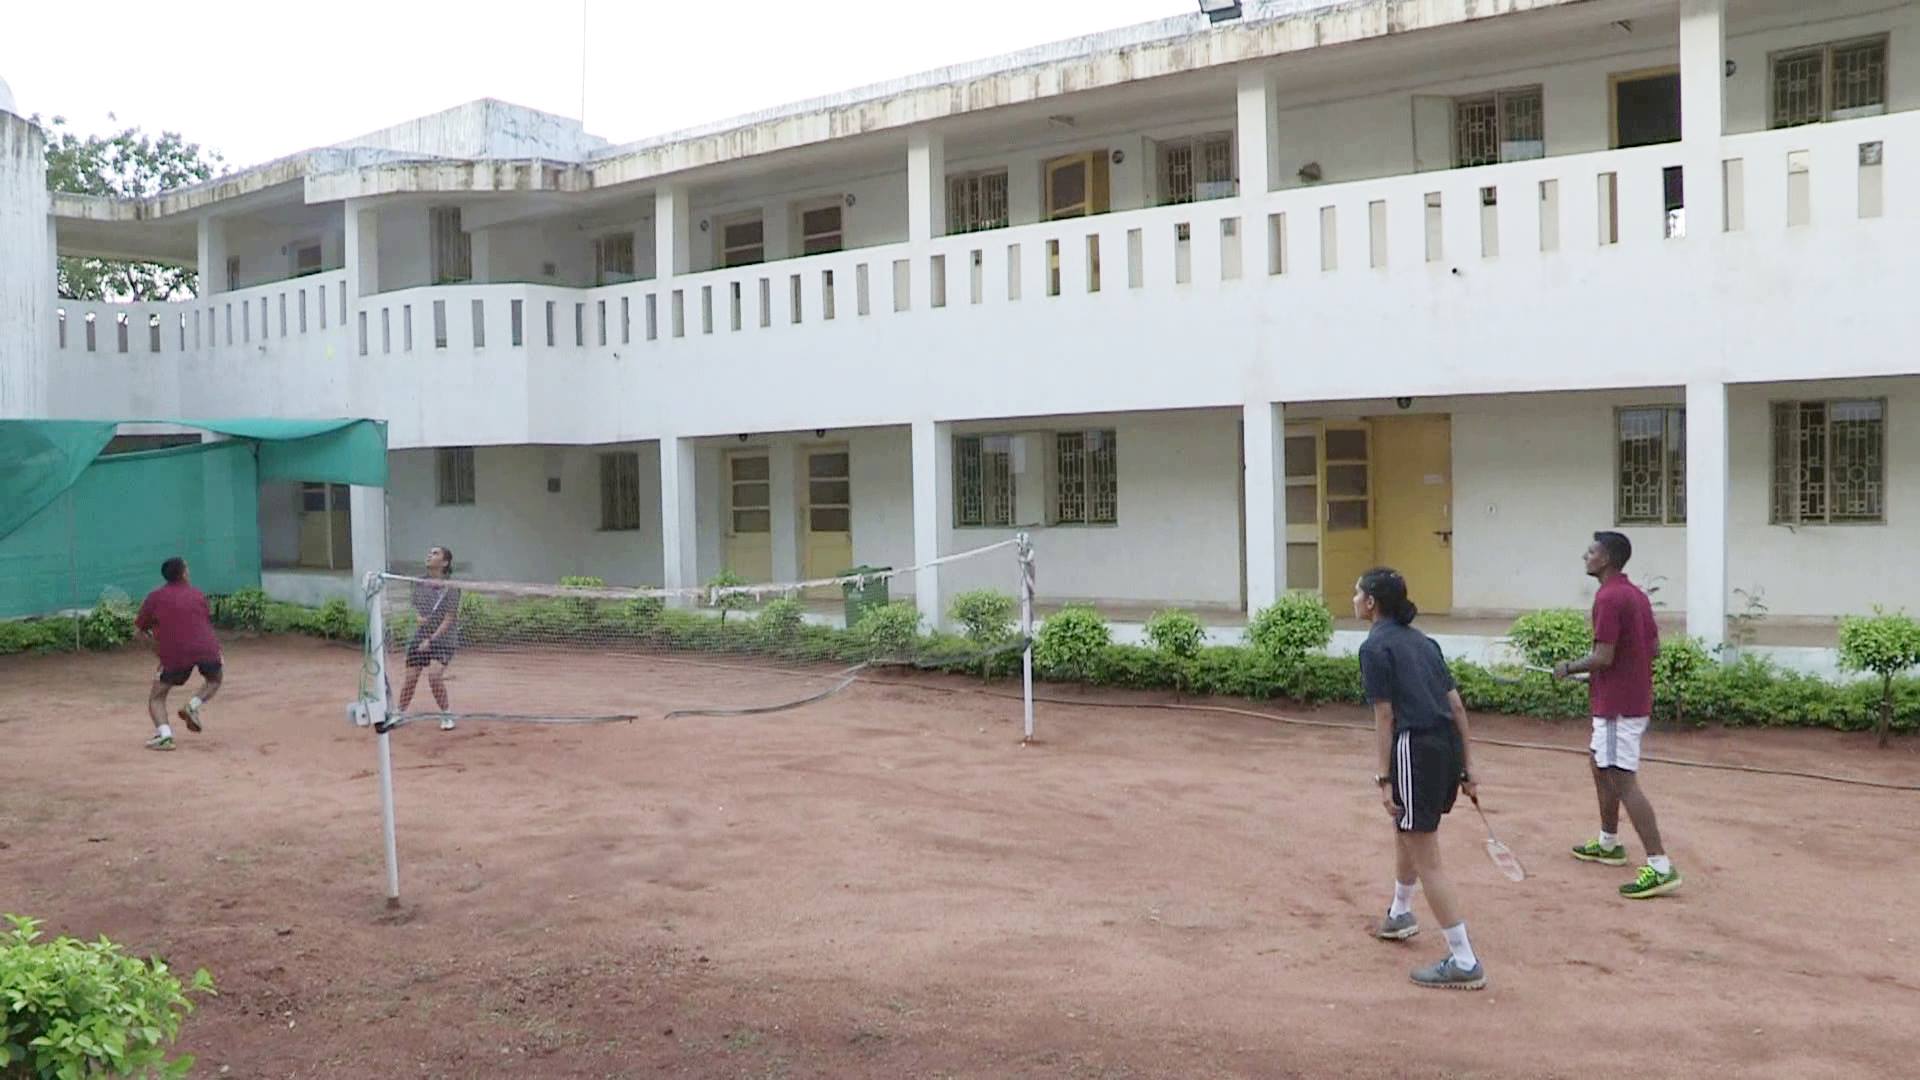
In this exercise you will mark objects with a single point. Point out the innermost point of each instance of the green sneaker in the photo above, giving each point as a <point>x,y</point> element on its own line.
<point>1650,883</point>
<point>1591,851</point>
<point>160,742</point>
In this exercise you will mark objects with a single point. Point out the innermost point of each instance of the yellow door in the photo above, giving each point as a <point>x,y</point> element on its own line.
<point>829,513</point>
<point>1413,504</point>
<point>326,538</point>
<point>1077,185</point>
<point>1346,486</point>
<point>750,516</point>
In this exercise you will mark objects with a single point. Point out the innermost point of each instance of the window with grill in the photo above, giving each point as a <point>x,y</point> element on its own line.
<point>1651,484</point>
<point>1829,462</point>
<point>976,202</point>
<point>451,245</point>
<point>1837,81</point>
<point>620,492</point>
<point>743,243</point>
<point>454,467</point>
<point>820,231</point>
<point>613,259</point>
<point>1506,125</point>
<point>1086,481</point>
<point>1197,169</point>
<point>982,480</point>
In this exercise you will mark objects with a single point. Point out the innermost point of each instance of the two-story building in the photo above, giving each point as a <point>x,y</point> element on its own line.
<point>1214,309</point>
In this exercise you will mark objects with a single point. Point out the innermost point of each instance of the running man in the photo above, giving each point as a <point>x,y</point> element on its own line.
<point>1620,693</point>
<point>175,620</point>
<point>437,604</point>
<point>1425,760</point>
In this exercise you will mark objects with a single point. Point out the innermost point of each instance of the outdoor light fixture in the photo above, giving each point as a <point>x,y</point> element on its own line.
<point>1220,10</point>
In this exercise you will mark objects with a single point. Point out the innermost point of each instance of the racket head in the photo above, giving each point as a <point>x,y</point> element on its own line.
<point>1505,861</point>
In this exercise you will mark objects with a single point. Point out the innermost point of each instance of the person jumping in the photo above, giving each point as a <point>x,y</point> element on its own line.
<point>176,621</point>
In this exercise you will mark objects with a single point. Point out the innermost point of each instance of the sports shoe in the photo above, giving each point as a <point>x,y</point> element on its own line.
<point>160,742</point>
<point>1650,883</point>
<point>190,714</point>
<point>1447,975</point>
<point>1398,927</point>
<point>1591,851</point>
<point>446,723</point>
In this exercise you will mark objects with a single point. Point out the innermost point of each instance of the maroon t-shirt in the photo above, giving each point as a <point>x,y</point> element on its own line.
<point>181,624</point>
<point>1623,618</point>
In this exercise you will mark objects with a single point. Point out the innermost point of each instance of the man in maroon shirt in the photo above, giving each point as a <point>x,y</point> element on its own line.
<point>176,620</point>
<point>1620,691</point>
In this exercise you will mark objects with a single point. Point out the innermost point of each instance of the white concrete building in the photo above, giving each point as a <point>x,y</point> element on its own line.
<point>1216,309</point>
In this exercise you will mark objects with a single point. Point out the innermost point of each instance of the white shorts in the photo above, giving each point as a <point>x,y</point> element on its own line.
<point>1616,743</point>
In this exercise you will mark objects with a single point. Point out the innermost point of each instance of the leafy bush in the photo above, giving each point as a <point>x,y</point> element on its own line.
<point>1070,642</point>
<point>727,579</point>
<point>38,635</point>
<point>1676,668</point>
<point>1885,645</point>
<point>582,581</point>
<point>108,626</point>
<point>1298,623</point>
<point>641,614</point>
<point>890,630</point>
<point>1545,638</point>
<point>338,622</point>
<point>985,616</point>
<point>80,1009</point>
<point>780,620</point>
<point>245,609</point>
<point>1176,633</point>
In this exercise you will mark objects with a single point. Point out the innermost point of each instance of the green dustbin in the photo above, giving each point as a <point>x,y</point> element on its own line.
<point>862,595</point>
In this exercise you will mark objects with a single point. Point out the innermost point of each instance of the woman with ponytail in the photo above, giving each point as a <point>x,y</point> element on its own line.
<point>1424,760</point>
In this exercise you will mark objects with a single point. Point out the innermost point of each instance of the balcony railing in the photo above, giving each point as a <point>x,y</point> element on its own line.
<point>252,319</point>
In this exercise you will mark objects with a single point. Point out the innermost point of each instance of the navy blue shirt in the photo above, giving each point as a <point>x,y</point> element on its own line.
<point>1403,667</point>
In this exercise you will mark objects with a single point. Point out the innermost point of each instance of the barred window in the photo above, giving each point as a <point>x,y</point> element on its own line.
<point>977,201</point>
<point>451,245</point>
<point>1829,462</point>
<point>620,492</point>
<point>454,467</point>
<point>982,480</point>
<point>1836,81</point>
<point>1507,125</point>
<point>613,259</point>
<point>1086,482</point>
<point>1197,169</point>
<point>1651,487</point>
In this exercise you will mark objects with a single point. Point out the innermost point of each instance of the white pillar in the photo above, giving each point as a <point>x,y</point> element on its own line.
<point>212,262</point>
<point>672,240</point>
<point>367,514</point>
<point>931,452</point>
<point>678,514</point>
<point>1707,482</point>
<point>1254,136</point>
<point>1703,80</point>
<point>777,229</point>
<point>926,185</point>
<point>783,473</point>
<point>362,255</point>
<point>27,269</point>
<point>1263,442</point>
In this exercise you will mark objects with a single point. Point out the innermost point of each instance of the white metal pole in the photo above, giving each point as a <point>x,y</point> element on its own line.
<point>377,651</point>
<point>1026,631</point>
<point>386,820</point>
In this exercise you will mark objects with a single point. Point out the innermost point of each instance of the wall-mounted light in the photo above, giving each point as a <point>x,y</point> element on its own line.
<point>1403,403</point>
<point>1731,68</point>
<point>850,200</point>
<point>1220,10</point>
<point>743,436</point>
<point>1119,156</point>
<point>703,224</point>
<point>1310,173</point>
<point>1060,120</point>
<point>1625,26</point>
<point>819,433</point>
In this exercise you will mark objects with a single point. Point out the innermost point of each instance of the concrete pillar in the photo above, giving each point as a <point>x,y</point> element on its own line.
<point>926,185</point>
<point>672,235</point>
<point>1703,80</point>
<point>27,271</point>
<point>778,229</point>
<point>678,513</point>
<point>1263,435</point>
<point>1254,137</point>
<point>783,472</point>
<point>212,262</point>
<point>367,513</point>
<point>932,470</point>
<point>362,258</point>
<point>1707,483</point>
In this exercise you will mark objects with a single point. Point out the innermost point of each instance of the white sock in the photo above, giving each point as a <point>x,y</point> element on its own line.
<point>1402,900</point>
<point>1661,864</point>
<point>1457,943</point>
<point>166,731</point>
<point>195,702</point>
<point>1608,840</point>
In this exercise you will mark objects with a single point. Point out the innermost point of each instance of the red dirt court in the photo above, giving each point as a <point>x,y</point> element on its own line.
<point>887,885</point>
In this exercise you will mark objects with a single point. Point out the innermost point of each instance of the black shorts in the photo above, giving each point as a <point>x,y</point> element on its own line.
<point>422,652</point>
<point>178,676</point>
<point>1426,778</point>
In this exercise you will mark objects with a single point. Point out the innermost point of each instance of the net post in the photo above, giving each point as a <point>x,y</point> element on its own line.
<point>1025,550</point>
<point>377,668</point>
<point>386,819</point>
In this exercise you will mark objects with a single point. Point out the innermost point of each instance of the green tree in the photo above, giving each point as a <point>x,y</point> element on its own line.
<point>127,164</point>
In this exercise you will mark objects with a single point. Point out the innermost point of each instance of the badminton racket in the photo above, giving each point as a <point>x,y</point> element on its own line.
<point>1503,857</point>
<point>1513,680</point>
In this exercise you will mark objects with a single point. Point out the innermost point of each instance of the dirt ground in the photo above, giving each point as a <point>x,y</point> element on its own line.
<point>887,884</point>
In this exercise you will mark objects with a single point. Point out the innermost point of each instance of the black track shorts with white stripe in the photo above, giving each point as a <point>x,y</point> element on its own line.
<point>1426,777</point>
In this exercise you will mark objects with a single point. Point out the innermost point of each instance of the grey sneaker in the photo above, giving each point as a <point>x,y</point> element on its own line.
<point>160,742</point>
<point>446,723</point>
<point>1397,927</point>
<point>1447,975</point>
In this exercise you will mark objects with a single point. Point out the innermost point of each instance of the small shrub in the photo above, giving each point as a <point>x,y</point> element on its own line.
<point>1070,641</point>
<point>727,579</point>
<point>581,615</point>
<point>1743,626</point>
<point>641,615</point>
<point>582,581</point>
<point>84,1008</point>
<point>1676,667</point>
<point>986,617</point>
<point>1884,645</point>
<point>889,631</point>
<point>1298,623</point>
<point>245,609</point>
<point>780,621</point>
<point>1176,633</point>
<point>108,626</point>
<point>338,622</point>
<point>38,636</point>
<point>1547,637</point>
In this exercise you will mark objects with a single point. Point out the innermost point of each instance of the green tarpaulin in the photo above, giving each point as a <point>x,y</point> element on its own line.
<point>74,525</point>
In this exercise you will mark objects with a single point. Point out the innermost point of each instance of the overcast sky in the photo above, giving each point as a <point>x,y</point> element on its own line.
<point>256,79</point>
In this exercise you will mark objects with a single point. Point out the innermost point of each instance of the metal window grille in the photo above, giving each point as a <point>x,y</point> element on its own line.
<point>456,472</point>
<point>620,492</point>
<point>613,258</point>
<point>983,481</point>
<point>743,243</point>
<point>1829,462</point>
<point>1859,76</point>
<point>1829,81</point>
<point>1086,482</point>
<point>977,202</point>
<point>1197,169</point>
<point>1652,477</point>
<point>452,247</point>
<point>1508,125</point>
<point>820,231</point>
